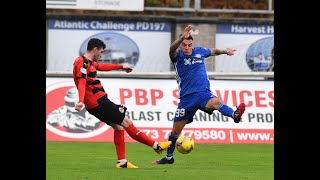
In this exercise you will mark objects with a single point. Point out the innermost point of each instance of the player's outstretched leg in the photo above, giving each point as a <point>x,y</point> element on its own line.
<point>139,136</point>
<point>238,112</point>
<point>228,111</point>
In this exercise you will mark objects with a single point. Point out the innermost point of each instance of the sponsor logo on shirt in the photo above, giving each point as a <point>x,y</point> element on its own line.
<point>189,61</point>
<point>196,61</point>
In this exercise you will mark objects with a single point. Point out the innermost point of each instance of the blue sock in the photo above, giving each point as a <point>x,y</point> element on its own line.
<point>225,110</point>
<point>173,138</point>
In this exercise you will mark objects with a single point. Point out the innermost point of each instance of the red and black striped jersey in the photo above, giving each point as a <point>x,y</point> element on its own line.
<point>85,78</point>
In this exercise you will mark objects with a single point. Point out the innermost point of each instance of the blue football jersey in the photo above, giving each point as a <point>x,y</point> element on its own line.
<point>191,74</point>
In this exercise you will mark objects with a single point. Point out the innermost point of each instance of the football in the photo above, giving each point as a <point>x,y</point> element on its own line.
<point>185,144</point>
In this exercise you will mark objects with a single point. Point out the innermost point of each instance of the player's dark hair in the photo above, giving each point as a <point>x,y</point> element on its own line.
<point>190,37</point>
<point>94,42</point>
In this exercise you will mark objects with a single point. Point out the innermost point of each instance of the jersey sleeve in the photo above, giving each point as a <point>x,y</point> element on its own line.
<point>81,89</point>
<point>80,74</point>
<point>206,52</point>
<point>108,67</point>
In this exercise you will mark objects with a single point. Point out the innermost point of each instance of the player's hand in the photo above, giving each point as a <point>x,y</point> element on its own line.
<point>187,32</point>
<point>230,51</point>
<point>127,69</point>
<point>78,106</point>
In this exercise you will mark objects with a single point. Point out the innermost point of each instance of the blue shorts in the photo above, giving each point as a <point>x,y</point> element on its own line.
<point>190,103</point>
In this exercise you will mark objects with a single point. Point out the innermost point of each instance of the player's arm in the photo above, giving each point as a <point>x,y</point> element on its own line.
<point>227,51</point>
<point>110,67</point>
<point>173,51</point>
<point>81,90</point>
<point>80,73</point>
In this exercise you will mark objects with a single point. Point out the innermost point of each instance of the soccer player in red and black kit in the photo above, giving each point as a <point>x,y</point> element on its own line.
<point>96,102</point>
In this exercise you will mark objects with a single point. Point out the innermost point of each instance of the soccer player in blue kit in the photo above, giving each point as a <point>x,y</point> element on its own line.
<point>194,87</point>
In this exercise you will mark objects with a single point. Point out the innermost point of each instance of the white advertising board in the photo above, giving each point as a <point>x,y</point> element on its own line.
<point>141,45</point>
<point>254,46</point>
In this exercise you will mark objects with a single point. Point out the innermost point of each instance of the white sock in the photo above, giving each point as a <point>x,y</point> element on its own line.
<point>122,160</point>
<point>169,157</point>
<point>155,145</point>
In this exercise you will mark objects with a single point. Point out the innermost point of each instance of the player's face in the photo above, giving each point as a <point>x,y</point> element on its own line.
<point>98,54</point>
<point>186,47</point>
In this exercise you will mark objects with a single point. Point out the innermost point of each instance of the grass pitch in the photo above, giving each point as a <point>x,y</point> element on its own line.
<point>97,160</point>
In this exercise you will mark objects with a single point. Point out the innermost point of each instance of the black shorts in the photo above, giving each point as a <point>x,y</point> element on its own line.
<point>108,112</point>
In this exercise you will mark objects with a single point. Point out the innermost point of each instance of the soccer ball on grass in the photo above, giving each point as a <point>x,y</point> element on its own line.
<point>185,144</point>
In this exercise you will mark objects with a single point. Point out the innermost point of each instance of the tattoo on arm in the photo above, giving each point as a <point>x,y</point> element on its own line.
<point>216,52</point>
<point>174,47</point>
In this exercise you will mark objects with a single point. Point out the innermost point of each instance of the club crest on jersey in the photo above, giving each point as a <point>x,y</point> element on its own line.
<point>121,110</point>
<point>197,56</point>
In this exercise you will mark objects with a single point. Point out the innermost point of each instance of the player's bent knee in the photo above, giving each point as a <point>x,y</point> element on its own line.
<point>214,103</point>
<point>126,122</point>
<point>116,127</point>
